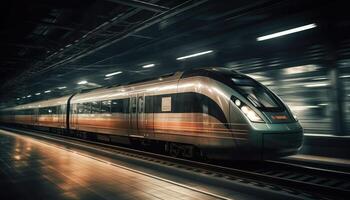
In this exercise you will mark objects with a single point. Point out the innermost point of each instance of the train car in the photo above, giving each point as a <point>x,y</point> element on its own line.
<point>215,113</point>
<point>49,114</point>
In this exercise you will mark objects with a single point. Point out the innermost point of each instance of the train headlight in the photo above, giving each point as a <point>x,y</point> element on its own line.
<point>251,114</point>
<point>238,102</point>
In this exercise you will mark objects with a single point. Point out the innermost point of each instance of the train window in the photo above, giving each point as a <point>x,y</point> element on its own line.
<point>74,108</point>
<point>117,106</point>
<point>86,108</point>
<point>48,110</point>
<point>42,111</point>
<point>53,110</point>
<point>148,104</point>
<point>95,107</point>
<point>125,105</point>
<point>62,109</point>
<point>106,106</point>
<point>258,96</point>
<point>190,102</point>
<point>80,108</point>
<point>120,106</point>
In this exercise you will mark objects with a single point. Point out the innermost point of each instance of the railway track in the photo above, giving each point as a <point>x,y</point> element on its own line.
<point>306,181</point>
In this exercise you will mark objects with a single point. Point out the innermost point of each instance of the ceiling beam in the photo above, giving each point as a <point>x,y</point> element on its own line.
<point>141,4</point>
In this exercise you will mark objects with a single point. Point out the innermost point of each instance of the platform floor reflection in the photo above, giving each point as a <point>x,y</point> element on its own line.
<point>31,169</point>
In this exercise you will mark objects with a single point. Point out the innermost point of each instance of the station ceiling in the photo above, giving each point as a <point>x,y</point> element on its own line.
<point>48,47</point>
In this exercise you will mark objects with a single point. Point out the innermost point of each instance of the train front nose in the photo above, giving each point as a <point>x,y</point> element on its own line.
<point>276,140</point>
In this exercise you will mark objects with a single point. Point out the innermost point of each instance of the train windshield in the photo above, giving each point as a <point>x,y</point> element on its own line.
<point>258,95</point>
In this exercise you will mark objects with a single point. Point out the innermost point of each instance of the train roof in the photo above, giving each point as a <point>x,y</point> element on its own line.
<point>120,89</point>
<point>41,104</point>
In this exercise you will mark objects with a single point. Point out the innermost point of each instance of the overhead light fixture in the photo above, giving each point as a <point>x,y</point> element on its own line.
<point>37,94</point>
<point>301,69</point>
<point>148,66</point>
<point>23,97</point>
<point>29,96</point>
<point>82,82</point>
<point>194,55</point>
<point>114,73</point>
<point>320,79</point>
<point>61,88</point>
<point>286,32</point>
<point>345,76</point>
<point>18,99</point>
<point>317,85</point>
<point>47,91</point>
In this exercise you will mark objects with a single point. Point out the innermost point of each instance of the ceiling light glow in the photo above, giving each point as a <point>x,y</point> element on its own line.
<point>61,88</point>
<point>286,32</point>
<point>37,94</point>
<point>82,82</point>
<point>114,73</point>
<point>301,69</point>
<point>47,91</point>
<point>148,66</point>
<point>194,55</point>
<point>317,85</point>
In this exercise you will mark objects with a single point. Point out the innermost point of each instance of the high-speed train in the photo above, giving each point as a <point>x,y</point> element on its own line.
<point>215,113</point>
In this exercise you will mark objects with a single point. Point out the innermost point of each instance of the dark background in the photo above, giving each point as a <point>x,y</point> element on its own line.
<point>48,44</point>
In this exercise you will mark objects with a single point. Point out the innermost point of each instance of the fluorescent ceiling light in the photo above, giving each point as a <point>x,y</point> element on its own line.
<point>29,96</point>
<point>317,85</point>
<point>194,55</point>
<point>286,32</point>
<point>18,99</point>
<point>47,91</point>
<point>37,93</point>
<point>23,97</point>
<point>82,82</point>
<point>114,73</point>
<point>323,104</point>
<point>148,66</point>
<point>301,69</point>
<point>319,79</point>
<point>345,76</point>
<point>61,88</point>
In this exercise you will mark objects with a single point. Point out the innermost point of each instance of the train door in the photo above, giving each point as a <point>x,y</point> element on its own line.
<point>141,114</point>
<point>133,116</point>
<point>32,117</point>
<point>61,115</point>
<point>73,116</point>
<point>35,116</point>
<point>137,115</point>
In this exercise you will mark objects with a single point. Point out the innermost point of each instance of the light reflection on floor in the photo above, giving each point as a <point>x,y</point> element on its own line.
<point>30,169</point>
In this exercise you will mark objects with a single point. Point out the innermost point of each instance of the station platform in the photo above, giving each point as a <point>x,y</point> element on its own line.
<point>30,169</point>
<point>326,146</point>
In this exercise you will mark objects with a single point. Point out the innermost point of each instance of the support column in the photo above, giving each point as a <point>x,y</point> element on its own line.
<point>337,100</point>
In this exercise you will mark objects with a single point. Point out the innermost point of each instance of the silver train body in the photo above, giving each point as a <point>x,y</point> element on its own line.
<point>221,113</point>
